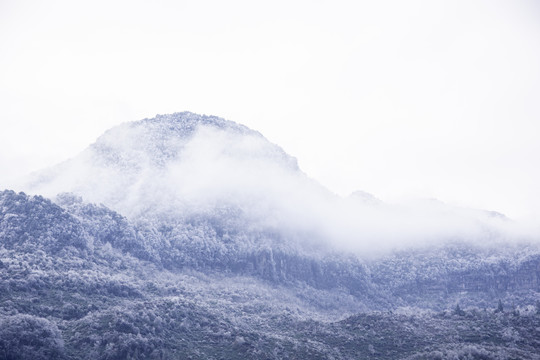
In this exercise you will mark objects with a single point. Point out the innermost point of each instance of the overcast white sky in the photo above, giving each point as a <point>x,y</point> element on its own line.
<point>397,98</point>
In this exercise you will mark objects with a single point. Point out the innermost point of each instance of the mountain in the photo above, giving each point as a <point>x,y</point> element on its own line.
<point>181,162</point>
<point>189,236</point>
<point>76,283</point>
<point>182,168</point>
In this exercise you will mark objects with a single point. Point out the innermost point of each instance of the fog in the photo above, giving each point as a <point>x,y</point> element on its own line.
<point>146,171</point>
<point>398,98</point>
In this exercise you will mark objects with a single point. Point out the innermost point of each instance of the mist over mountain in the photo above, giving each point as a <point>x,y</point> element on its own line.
<point>183,165</point>
<point>190,236</point>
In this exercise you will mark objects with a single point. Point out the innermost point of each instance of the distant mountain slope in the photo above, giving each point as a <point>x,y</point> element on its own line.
<point>201,192</point>
<point>81,282</point>
<point>179,169</point>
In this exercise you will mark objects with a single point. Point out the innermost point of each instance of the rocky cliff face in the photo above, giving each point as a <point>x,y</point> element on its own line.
<point>480,276</point>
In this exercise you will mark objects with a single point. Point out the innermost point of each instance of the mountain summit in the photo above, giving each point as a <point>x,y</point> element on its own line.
<point>163,139</point>
<point>178,162</point>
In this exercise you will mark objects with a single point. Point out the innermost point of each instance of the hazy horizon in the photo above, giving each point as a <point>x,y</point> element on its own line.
<point>402,100</point>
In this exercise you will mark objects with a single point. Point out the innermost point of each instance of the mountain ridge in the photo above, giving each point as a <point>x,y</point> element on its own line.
<point>172,168</point>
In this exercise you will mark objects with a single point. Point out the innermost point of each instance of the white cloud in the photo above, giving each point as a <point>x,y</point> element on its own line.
<point>147,170</point>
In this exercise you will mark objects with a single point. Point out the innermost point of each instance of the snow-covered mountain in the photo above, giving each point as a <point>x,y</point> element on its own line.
<point>170,162</point>
<point>180,166</point>
<point>173,168</point>
<point>170,230</point>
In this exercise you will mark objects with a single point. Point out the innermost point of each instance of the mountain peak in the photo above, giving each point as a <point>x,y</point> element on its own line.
<point>186,122</point>
<point>162,138</point>
<point>180,157</point>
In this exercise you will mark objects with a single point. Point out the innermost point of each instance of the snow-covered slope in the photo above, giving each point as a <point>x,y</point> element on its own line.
<point>180,157</point>
<point>173,168</point>
<point>178,165</point>
<point>79,282</point>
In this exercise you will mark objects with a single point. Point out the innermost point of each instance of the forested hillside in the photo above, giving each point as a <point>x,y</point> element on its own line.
<point>191,237</point>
